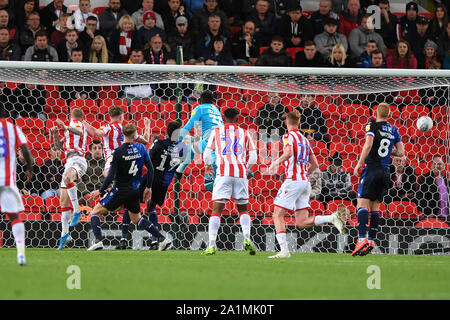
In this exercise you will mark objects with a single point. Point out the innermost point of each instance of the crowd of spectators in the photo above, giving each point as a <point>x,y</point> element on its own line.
<point>226,32</point>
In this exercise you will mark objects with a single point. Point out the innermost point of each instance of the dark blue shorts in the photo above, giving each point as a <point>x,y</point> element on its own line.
<point>130,199</point>
<point>374,183</point>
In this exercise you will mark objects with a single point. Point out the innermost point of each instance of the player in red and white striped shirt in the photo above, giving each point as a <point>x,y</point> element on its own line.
<point>12,138</point>
<point>112,135</point>
<point>232,145</point>
<point>299,161</point>
<point>74,146</point>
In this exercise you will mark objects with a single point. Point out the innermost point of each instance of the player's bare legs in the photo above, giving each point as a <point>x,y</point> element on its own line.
<point>280,228</point>
<point>69,178</point>
<point>303,220</point>
<point>18,230</point>
<point>246,223</point>
<point>213,228</point>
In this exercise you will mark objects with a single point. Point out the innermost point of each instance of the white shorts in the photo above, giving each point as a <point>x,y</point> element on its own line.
<point>226,188</point>
<point>76,163</point>
<point>11,200</point>
<point>293,195</point>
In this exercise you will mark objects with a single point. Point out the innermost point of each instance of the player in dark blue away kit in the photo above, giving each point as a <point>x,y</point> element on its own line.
<point>127,163</point>
<point>381,136</point>
<point>166,155</point>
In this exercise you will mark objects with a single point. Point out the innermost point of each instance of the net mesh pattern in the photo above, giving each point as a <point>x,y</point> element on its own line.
<point>338,108</point>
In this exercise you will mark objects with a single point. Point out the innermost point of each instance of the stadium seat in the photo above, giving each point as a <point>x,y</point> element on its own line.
<point>33,206</point>
<point>87,105</point>
<point>430,137</point>
<point>255,207</point>
<point>228,93</point>
<point>331,111</point>
<point>262,49</point>
<point>431,223</point>
<point>404,133</point>
<point>56,108</point>
<point>317,208</point>
<point>421,168</point>
<point>140,109</point>
<point>258,98</point>
<point>403,210</point>
<point>321,92</point>
<point>99,10</point>
<point>427,151</point>
<point>52,204</point>
<point>51,91</point>
<point>293,51</point>
<point>349,151</point>
<point>30,125</point>
<point>356,114</point>
<point>235,30</point>
<point>411,113</point>
<point>169,109</point>
<point>333,205</point>
<point>107,92</point>
<point>440,112</point>
<point>408,96</point>
<point>267,187</point>
<point>336,128</point>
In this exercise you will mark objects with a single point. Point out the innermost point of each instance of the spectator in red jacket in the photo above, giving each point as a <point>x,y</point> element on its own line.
<point>402,58</point>
<point>351,18</point>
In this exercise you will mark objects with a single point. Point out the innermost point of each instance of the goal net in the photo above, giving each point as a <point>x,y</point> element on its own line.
<point>335,104</point>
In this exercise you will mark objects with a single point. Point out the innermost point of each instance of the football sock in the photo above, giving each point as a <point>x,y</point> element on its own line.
<point>245,224</point>
<point>73,196</point>
<point>153,218</point>
<point>281,238</point>
<point>125,224</point>
<point>148,226</point>
<point>363,218</point>
<point>373,226</point>
<point>96,228</point>
<point>319,220</point>
<point>65,220</point>
<point>18,230</point>
<point>214,224</point>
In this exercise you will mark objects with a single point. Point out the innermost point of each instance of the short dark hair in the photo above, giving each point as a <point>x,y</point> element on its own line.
<point>373,41</point>
<point>40,33</point>
<point>172,126</point>
<point>92,18</point>
<point>231,113</point>
<point>129,129</point>
<point>115,111</point>
<point>277,37</point>
<point>77,50</point>
<point>137,49</point>
<point>384,2</point>
<point>94,142</point>
<point>376,52</point>
<point>309,43</point>
<point>4,27</point>
<point>206,97</point>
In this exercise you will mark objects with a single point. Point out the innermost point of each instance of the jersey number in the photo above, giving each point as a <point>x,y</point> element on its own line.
<point>3,147</point>
<point>303,154</point>
<point>133,169</point>
<point>216,119</point>
<point>237,148</point>
<point>383,150</point>
<point>173,163</point>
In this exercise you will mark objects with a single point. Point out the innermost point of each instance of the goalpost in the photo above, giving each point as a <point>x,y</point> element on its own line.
<point>35,94</point>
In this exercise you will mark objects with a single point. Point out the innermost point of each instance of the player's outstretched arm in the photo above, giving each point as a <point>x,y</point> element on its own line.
<point>92,131</point>
<point>364,153</point>
<point>70,129</point>
<point>58,143</point>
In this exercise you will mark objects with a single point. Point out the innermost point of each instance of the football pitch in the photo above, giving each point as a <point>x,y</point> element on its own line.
<point>187,275</point>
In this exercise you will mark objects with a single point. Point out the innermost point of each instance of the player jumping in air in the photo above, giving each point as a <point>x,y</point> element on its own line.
<point>231,145</point>
<point>166,155</point>
<point>126,172</point>
<point>74,145</point>
<point>11,139</point>
<point>205,116</point>
<point>381,136</point>
<point>293,196</point>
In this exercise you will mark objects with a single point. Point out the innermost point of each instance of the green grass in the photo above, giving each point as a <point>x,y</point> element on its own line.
<point>179,275</point>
